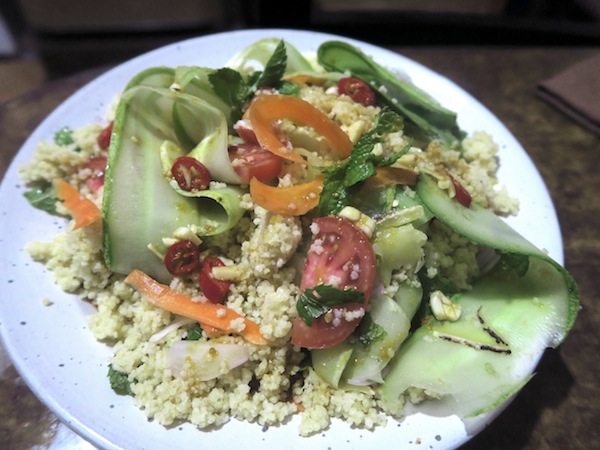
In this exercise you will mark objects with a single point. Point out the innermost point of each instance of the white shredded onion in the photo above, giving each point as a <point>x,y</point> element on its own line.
<point>205,359</point>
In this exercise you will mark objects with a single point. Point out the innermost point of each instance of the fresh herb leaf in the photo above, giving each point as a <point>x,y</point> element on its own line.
<point>439,282</point>
<point>119,381</point>
<point>42,197</point>
<point>514,261</point>
<point>194,333</point>
<point>236,90</point>
<point>232,88</point>
<point>368,331</point>
<point>64,136</point>
<point>289,88</point>
<point>314,302</point>
<point>417,106</point>
<point>334,195</point>
<point>275,67</point>
<point>360,165</point>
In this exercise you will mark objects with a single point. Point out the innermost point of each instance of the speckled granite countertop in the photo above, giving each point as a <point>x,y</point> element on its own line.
<point>560,407</point>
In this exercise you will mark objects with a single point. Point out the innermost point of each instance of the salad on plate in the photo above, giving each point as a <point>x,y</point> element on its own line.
<point>296,234</point>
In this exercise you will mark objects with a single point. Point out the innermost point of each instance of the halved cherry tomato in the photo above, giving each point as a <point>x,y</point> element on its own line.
<point>340,255</point>
<point>244,130</point>
<point>212,288</point>
<point>190,174</point>
<point>461,194</point>
<point>103,138</point>
<point>97,165</point>
<point>252,161</point>
<point>357,90</point>
<point>182,257</point>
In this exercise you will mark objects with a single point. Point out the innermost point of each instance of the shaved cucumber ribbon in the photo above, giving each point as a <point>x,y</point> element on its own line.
<point>219,206</point>
<point>362,364</point>
<point>203,135</point>
<point>256,55</point>
<point>507,320</point>
<point>193,80</point>
<point>140,207</point>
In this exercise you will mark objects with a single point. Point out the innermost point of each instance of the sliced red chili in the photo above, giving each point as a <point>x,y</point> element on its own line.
<point>190,174</point>
<point>103,138</point>
<point>182,257</point>
<point>357,90</point>
<point>462,196</point>
<point>212,288</point>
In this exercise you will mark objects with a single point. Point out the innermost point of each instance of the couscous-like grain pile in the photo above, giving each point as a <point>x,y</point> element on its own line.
<point>276,381</point>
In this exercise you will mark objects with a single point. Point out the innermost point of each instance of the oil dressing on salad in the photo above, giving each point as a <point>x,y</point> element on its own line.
<point>296,234</point>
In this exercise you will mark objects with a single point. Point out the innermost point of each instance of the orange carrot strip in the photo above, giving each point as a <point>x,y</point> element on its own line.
<point>211,332</point>
<point>302,78</point>
<point>83,210</point>
<point>266,109</point>
<point>292,201</point>
<point>389,176</point>
<point>211,314</point>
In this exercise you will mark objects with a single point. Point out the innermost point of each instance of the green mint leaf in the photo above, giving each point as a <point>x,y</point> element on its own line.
<point>194,333</point>
<point>274,69</point>
<point>314,302</point>
<point>387,161</point>
<point>334,195</point>
<point>289,88</point>
<point>231,87</point>
<point>309,309</point>
<point>438,283</point>
<point>64,136</point>
<point>359,166</point>
<point>42,197</point>
<point>119,381</point>
<point>368,331</point>
<point>515,261</point>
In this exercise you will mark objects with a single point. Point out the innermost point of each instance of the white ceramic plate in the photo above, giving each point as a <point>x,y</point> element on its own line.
<point>63,364</point>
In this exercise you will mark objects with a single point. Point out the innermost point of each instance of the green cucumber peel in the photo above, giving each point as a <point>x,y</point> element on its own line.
<point>157,77</point>
<point>479,361</point>
<point>405,98</point>
<point>140,207</point>
<point>367,362</point>
<point>507,320</point>
<point>329,363</point>
<point>397,248</point>
<point>202,133</point>
<point>483,227</point>
<point>362,359</point>
<point>261,52</point>
<point>194,81</point>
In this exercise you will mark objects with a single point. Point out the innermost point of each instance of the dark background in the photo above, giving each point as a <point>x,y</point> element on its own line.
<point>67,36</point>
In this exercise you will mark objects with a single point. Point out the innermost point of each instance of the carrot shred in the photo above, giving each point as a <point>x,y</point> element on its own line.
<point>292,201</point>
<point>211,332</point>
<point>82,210</point>
<point>210,314</point>
<point>303,79</point>
<point>390,176</point>
<point>266,109</point>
